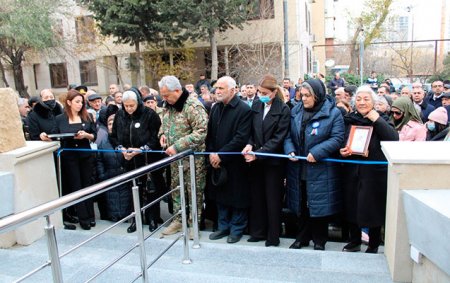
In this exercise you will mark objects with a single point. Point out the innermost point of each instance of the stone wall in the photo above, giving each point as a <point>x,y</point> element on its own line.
<point>11,133</point>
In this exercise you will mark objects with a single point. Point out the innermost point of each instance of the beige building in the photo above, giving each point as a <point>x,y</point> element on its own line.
<point>89,59</point>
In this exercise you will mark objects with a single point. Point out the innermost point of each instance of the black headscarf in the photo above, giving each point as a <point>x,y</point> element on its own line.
<point>317,88</point>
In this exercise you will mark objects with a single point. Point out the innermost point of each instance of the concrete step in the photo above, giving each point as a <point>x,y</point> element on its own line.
<point>213,262</point>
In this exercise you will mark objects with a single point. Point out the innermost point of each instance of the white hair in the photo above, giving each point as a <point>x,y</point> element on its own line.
<point>21,101</point>
<point>171,82</point>
<point>365,89</point>
<point>230,81</point>
<point>129,95</point>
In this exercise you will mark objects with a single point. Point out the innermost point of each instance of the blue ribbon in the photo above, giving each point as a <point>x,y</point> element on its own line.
<point>275,155</point>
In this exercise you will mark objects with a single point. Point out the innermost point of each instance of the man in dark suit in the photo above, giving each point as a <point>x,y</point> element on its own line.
<point>229,131</point>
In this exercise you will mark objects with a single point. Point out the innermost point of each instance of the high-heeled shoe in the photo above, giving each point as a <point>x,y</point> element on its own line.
<point>152,225</point>
<point>132,228</point>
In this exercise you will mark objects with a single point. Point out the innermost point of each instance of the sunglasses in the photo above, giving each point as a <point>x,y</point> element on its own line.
<point>398,113</point>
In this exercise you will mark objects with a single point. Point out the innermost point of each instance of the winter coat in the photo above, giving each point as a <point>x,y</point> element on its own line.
<point>426,109</point>
<point>324,135</point>
<point>229,129</point>
<point>42,119</point>
<point>268,135</point>
<point>108,165</point>
<point>137,130</point>
<point>413,131</point>
<point>365,186</point>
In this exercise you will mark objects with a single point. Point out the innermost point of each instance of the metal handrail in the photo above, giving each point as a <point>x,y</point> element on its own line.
<point>11,222</point>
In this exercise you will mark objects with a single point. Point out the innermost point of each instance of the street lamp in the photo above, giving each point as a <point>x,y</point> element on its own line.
<point>411,14</point>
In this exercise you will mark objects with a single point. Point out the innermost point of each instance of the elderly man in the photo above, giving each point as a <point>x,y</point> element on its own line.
<point>229,131</point>
<point>418,95</point>
<point>145,91</point>
<point>95,103</point>
<point>184,125</point>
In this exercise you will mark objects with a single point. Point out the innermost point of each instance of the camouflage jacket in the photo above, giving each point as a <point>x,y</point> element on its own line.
<point>184,124</point>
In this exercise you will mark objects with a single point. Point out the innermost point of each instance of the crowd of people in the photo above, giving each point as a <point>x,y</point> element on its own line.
<point>243,192</point>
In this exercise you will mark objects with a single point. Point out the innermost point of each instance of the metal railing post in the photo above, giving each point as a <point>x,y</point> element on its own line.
<point>59,173</point>
<point>53,253</point>
<point>140,231</point>
<point>186,259</point>
<point>194,213</point>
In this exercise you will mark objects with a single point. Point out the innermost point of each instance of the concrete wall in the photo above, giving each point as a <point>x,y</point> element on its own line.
<point>412,166</point>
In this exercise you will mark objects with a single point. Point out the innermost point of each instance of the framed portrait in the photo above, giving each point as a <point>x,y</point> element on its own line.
<point>359,139</point>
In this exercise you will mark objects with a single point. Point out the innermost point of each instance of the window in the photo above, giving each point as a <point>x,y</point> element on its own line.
<point>88,72</point>
<point>85,28</point>
<point>58,75</point>
<point>260,9</point>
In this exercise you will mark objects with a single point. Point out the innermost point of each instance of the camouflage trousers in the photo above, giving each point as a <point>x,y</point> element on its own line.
<point>200,179</point>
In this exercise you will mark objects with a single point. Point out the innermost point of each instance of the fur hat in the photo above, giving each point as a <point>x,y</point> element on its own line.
<point>439,115</point>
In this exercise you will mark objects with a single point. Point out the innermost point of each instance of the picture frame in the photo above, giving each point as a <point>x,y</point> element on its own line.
<point>359,139</point>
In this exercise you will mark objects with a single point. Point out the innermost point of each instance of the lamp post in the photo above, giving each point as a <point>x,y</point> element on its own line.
<point>361,58</point>
<point>411,70</point>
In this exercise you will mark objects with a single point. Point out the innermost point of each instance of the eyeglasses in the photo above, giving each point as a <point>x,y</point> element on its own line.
<point>437,86</point>
<point>397,113</point>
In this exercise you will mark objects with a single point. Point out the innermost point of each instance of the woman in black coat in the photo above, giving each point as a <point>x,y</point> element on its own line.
<point>270,125</point>
<point>111,164</point>
<point>365,186</point>
<point>135,129</point>
<point>77,167</point>
<point>42,120</point>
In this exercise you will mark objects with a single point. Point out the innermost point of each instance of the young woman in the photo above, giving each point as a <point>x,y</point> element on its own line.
<point>77,167</point>
<point>270,120</point>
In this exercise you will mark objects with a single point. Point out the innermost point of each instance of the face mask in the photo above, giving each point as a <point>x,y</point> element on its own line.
<point>264,99</point>
<point>50,103</point>
<point>431,126</point>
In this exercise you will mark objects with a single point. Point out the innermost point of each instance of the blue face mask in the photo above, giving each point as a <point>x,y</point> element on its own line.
<point>264,99</point>
<point>431,126</point>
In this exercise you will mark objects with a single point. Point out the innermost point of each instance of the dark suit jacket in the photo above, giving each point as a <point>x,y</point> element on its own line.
<point>268,135</point>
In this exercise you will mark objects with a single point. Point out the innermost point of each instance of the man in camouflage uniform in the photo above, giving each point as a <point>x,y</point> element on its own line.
<point>184,124</point>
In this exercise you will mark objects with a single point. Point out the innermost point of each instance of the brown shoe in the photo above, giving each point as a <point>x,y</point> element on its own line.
<point>173,228</point>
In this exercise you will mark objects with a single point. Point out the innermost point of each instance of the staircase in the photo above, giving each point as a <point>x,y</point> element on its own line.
<point>215,261</point>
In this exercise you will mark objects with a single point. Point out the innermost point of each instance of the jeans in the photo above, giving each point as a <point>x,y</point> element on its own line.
<point>232,219</point>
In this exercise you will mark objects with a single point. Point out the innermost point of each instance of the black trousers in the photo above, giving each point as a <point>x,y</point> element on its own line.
<point>374,235</point>
<point>266,192</point>
<point>311,228</point>
<point>76,174</point>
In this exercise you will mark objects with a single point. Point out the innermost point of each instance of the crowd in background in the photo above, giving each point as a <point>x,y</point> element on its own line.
<point>247,192</point>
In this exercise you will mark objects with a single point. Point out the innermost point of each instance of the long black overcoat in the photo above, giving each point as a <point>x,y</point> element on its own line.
<point>229,129</point>
<point>365,186</point>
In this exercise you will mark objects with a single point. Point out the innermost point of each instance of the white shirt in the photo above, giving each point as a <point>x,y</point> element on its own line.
<point>266,109</point>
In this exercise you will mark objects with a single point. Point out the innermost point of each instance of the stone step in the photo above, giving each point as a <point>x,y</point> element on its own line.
<point>213,262</point>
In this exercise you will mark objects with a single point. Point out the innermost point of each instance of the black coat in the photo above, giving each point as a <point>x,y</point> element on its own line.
<point>229,129</point>
<point>108,165</point>
<point>137,130</point>
<point>365,186</point>
<point>42,119</point>
<point>267,136</point>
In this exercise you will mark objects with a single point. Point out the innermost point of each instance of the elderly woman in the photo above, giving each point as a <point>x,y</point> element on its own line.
<point>365,186</point>
<point>270,119</point>
<point>136,129</point>
<point>317,132</point>
<point>77,167</point>
<point>407,120</point>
